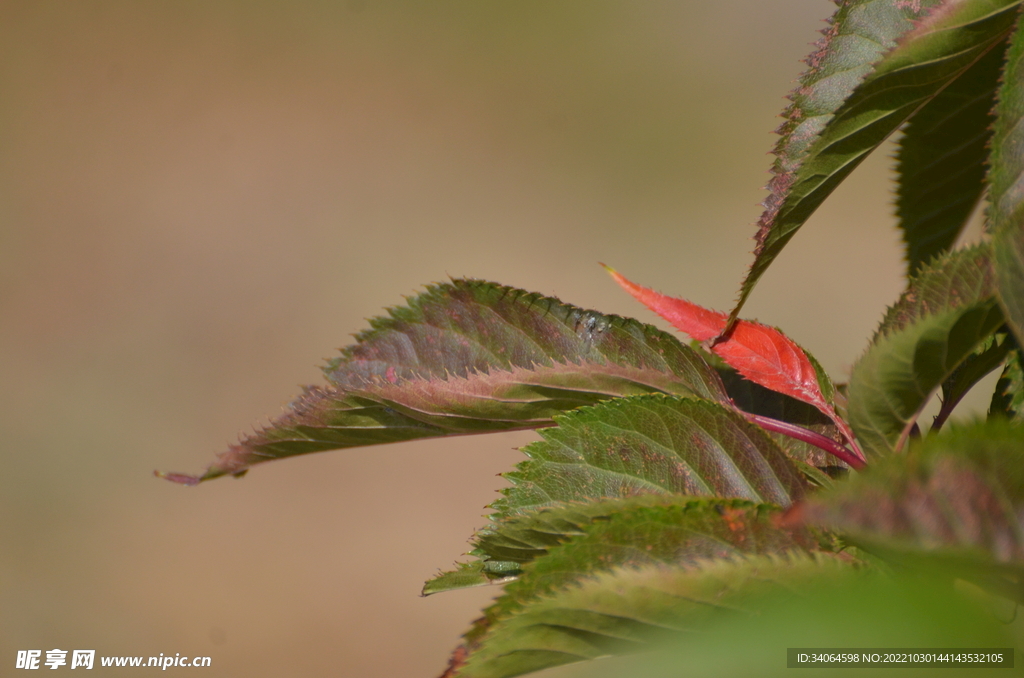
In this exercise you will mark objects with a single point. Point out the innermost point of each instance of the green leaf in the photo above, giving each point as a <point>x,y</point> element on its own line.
<point>946,313</point>
<point>850,610</point>
<point>473,357</point>
<point>469,575</point>
<point>957,498</point>
<point>642,445</point>
<point>679,530</point>
<point>1006,188</point>
<point>987,357</point>
<point>941,161</point>
<point>1008,398</point>
<point>629,610</point>
<point>853,98</point>
<point>651,444</point>
<point>508,543</point>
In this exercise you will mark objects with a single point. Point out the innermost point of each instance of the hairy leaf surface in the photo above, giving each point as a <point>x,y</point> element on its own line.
<point>854,114</point>
<point>958,496</point>
<point>469,575</point>
<point>945,314</point>
<point>1008,398</point>
<point>651,445</point>
<point>986,358</point>
<point>680,531</point>
<point>628,610</point>
<point>473,357</point>
<point>941,161</point>
<point>1006,188</point>
<point>508,543</point>
<point>642,445</point>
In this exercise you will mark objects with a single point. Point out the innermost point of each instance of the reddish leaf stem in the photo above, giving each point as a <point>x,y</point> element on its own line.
<point>809,437</point>
<point>760,353</point>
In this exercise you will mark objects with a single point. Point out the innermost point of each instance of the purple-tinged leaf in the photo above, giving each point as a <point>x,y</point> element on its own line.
<point>472,357</point>
<point>956,498</point>
<point>1006,188</point>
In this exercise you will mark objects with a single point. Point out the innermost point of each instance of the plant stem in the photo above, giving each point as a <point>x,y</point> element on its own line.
<point>944,412</point>
<point>810,437</point>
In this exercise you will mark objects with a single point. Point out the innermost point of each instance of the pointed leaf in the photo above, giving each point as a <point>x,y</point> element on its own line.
<point>628,610</point>
<point>948,310</point>
<point>941,161</point>
<point>1006,188</point>
<point>524,537</point>
<point>1008,398</point>
<point>473,357</point>
<point>957,498</point>
<point>643,445</point>
<point>651,445</point>
<point>987,357</point>
<point>681,530</point>
<point>835,123</point>
<point>508,543</point>
<point>468,326</point>
<point>467,575</point>
<point>762,354</point>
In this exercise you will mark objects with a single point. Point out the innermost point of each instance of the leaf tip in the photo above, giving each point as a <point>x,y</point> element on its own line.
<point>179,478</point>
<point>623,282</point>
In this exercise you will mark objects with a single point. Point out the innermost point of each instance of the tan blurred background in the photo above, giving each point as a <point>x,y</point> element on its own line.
<point>200,201</point>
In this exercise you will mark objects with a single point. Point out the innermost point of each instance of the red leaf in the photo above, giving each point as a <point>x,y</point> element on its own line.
<point>758,352</point>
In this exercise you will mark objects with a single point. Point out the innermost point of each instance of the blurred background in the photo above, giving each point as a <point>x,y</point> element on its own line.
<point>201,201</point>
